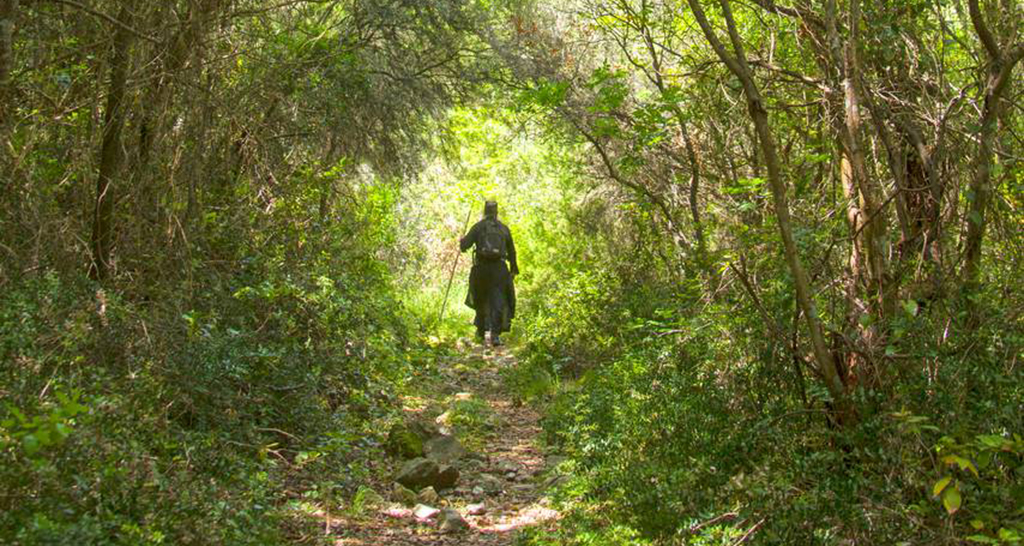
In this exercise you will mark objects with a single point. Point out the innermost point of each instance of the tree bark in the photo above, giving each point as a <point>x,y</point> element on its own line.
<point>865,194</point>
<point>1000,69</point>
<point>8,10</point>
<point>111,153</point>
<point>755,104</point>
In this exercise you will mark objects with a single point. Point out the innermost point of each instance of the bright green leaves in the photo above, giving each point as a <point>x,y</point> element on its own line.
<point>980,467</point>
<point>610,93</point>
<point>610,88</point>
<point>949,494</point>
<point>43,431</point>
<point>961,462</point>
<point>744,186</point>
<point>940,485</point>
<point>911,307</point>
<point>546,94</point>
<point>951,499</point>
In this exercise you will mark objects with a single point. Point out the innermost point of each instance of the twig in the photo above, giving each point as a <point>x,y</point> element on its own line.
<point>279,431</point>
<point>712,521</point>
<point>749,533</point>
<point>105,17</point>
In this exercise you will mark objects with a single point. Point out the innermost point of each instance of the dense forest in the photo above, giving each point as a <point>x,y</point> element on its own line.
<point>771,256</point>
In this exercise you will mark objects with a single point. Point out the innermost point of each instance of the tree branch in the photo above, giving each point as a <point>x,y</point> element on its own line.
<point>981,28</point>
<point>112,20</point>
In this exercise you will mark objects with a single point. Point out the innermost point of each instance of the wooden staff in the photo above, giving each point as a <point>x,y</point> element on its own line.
<point>455,265</point>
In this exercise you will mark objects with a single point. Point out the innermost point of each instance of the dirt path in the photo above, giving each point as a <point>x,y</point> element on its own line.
<point>507,472</point>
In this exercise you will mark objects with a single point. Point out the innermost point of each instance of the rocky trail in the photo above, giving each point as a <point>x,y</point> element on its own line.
<point>468,468</point>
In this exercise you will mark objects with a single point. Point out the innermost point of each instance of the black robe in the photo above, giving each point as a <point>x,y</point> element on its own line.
<point>492,293</point>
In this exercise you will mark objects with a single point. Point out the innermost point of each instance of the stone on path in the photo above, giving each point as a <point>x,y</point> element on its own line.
<point>424,512</point>
<point>422,472</point>
<point>452,522</point>
<point>472,465</point>
<point>444,449</point>
<point>509,466</point>
<point>523,488</point>
<point>428,496</point>
<point>418,473</point>
<point>476,509</point>
<point>490,484</point>
<point>447,477</point>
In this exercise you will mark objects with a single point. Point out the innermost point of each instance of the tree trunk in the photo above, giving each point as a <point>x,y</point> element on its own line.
<point>111,154</point>
<point>1001,65</point>
<point>872,226</point>
<point>8,9</point>
<point>804,295</point>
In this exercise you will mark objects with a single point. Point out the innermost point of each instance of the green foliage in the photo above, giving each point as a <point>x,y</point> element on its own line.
<point>44,431</point>
<point>188,420</point>
<point>472,420</point>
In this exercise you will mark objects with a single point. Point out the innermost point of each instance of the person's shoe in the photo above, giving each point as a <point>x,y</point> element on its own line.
<point>496,341</point>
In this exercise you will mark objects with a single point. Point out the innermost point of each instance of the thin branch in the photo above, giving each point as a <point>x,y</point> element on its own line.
<point>749,533</point>
<point>982,29</point>
<point>112,20</point>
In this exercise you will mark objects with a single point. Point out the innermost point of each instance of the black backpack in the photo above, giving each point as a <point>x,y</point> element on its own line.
<point>491,244</point>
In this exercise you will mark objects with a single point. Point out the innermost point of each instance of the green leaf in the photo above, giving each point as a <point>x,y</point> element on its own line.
<point>1008,535</point>
<point>961,462</point>
<point>982,539</point>
<point>940,486</point>
<point>911,307</point>
<point>951,500</point>
<point>30,443</point>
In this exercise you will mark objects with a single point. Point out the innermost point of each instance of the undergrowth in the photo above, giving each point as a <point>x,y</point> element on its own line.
<point>215,409</point>
<point>689,430</point>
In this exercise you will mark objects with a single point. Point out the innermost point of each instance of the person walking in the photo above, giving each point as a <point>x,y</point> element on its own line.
<point>492,293</point>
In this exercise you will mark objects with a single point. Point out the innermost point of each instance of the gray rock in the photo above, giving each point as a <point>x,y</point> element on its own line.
<point>422,472</point>
<point>447,477</point>
<point>424,512</point>
<point>452,522</point>
<point>509,466</point>
<point>490,484</point>
<point>444,449</point>
<point>471,465</point>
<point>424,429</point>
<point>418,473</point>
<point>428,496</point>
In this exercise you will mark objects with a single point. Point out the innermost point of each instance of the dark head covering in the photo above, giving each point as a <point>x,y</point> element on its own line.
<point>491,208</point>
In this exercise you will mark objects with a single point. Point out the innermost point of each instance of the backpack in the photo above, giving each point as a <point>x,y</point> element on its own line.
<point>491,244</point>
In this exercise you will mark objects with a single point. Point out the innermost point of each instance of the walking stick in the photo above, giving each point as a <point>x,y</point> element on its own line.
<point>451,277</point>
